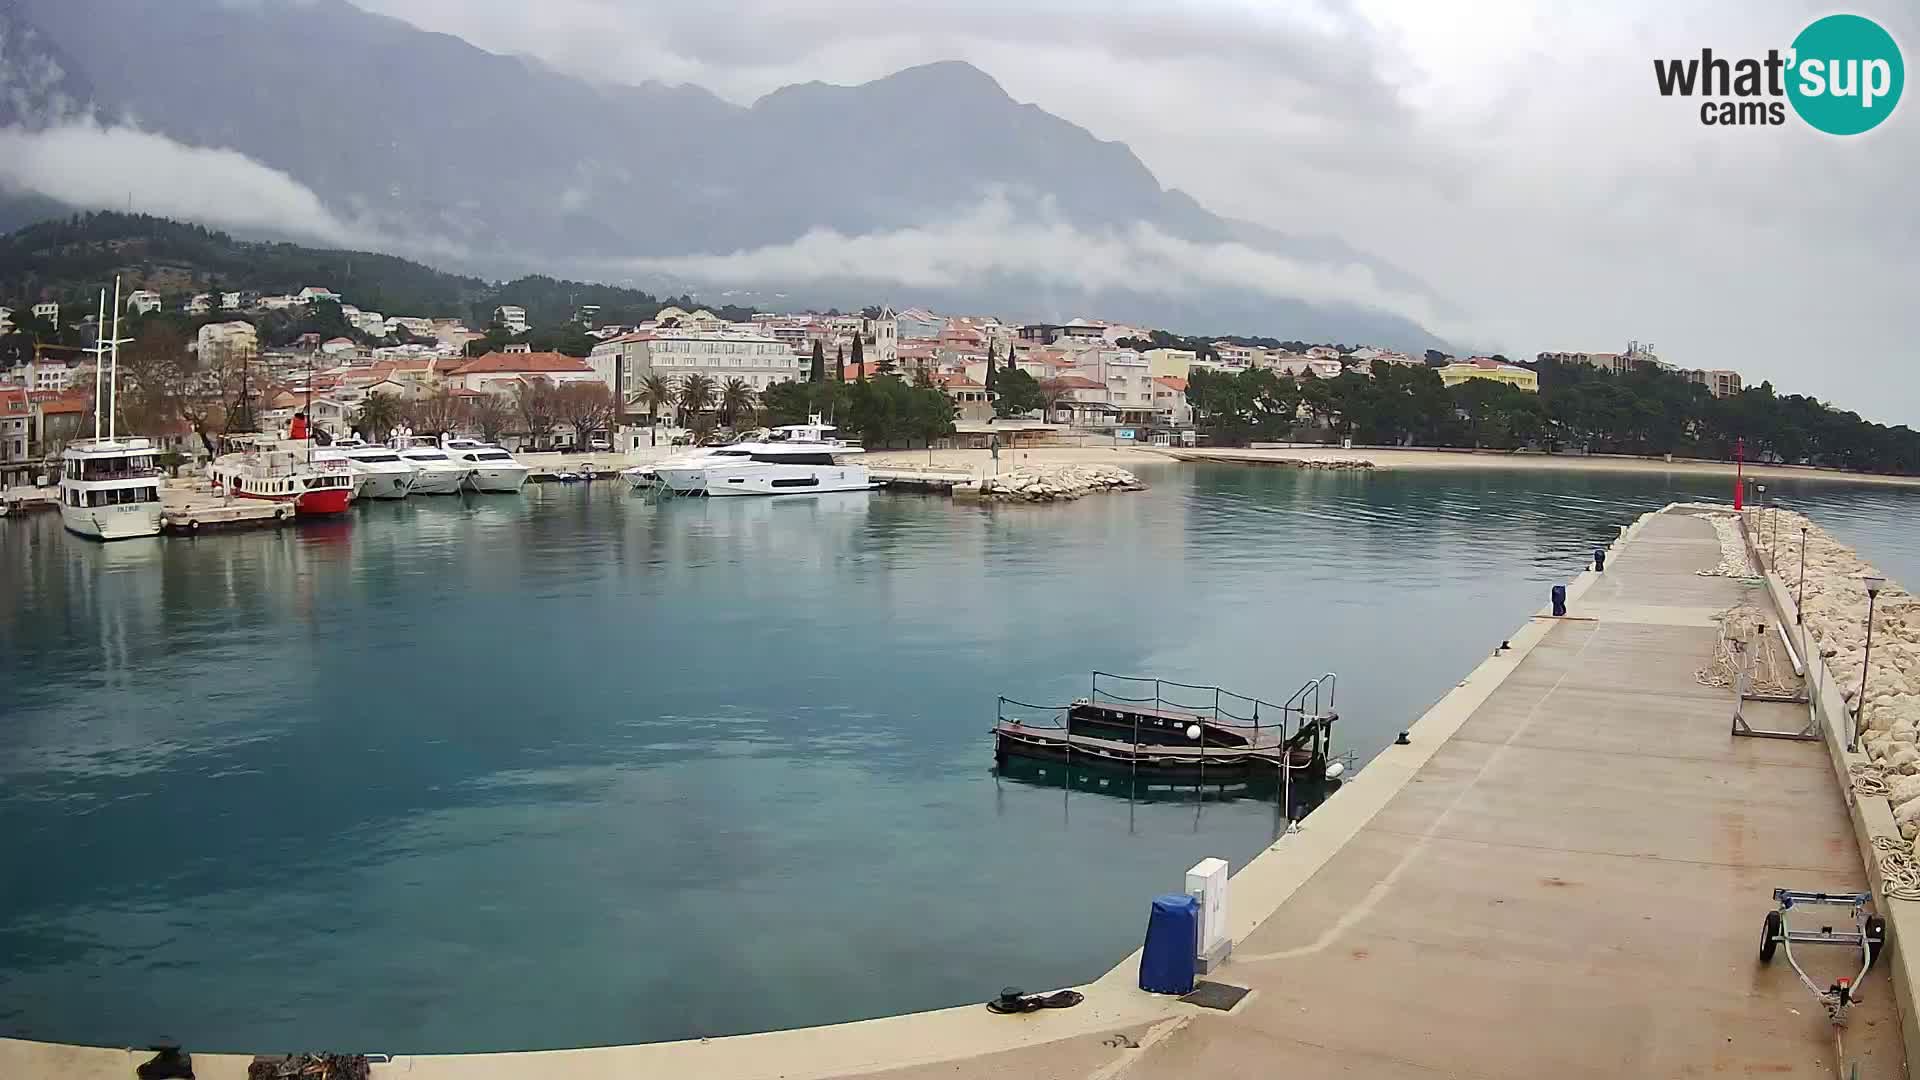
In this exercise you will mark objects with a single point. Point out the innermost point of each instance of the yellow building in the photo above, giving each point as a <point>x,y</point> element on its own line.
<point>1482,368</point>
<point>1169,363</point>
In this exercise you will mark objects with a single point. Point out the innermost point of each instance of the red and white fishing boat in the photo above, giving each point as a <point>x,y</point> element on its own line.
<point>313,479</point>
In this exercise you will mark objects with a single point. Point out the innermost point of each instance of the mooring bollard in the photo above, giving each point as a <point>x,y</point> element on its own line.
<point>1600,560</point>
<point>1559,600</point>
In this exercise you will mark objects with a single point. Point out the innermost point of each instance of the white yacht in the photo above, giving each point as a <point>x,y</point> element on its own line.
<point>799,459</point>
<point>378,472</point>
<point>434,470</point>
<point>109,487</point>
<point>641,476</point>
<point>492,469</point>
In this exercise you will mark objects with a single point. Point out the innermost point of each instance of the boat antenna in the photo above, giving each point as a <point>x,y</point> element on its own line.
<point>99,357</point>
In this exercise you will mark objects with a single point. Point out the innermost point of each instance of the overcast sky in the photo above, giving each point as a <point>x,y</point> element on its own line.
<point>1514,155</point>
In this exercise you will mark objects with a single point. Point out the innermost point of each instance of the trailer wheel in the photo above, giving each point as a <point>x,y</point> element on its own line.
<point>1771,932</point>
<point>1876,937</point>
<point>193,524</point>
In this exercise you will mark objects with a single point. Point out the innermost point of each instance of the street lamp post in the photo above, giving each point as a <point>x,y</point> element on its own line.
<point>1873,584</point>
<point>1759,490</point>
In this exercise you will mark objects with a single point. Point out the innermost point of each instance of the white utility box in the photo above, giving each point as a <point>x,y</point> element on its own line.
<point>1207,883</point>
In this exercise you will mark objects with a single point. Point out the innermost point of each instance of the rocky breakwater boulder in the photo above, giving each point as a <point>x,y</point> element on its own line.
<point>1057,483</point>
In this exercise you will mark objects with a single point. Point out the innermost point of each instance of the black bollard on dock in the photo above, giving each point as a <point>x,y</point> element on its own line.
<point>1559,601</point>
<point>1600,560</point>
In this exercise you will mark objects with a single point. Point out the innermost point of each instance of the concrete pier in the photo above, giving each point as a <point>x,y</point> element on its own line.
<point>194,508</point>
<point>1562,874</point>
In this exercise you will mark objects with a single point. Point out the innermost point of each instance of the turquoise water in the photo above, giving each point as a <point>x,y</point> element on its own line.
<point>572,768</point>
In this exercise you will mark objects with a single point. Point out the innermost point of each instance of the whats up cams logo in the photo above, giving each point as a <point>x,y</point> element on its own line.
<point>1843,75</point>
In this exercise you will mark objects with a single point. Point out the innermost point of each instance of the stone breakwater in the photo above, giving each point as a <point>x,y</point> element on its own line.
<point>1274,462</point>
<point>1055,484</point>
<point>1835,610</point>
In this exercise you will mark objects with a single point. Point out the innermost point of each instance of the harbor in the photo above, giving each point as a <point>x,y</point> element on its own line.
<point>1499,868</point>
<point>1560,768</point>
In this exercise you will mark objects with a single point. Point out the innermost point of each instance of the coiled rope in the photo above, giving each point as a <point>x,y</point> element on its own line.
<point>1869,778</point>
<point>1901,877</point>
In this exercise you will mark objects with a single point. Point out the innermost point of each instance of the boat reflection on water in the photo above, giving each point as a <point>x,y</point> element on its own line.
<point>1302,796</point>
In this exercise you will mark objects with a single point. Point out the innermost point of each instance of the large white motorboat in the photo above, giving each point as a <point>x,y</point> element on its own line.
<point>434,470</point>
<point>378,471</point>
<point>492,469</point>
<point>109,487</point>
<point>642,476</point>
<point>799,459</point>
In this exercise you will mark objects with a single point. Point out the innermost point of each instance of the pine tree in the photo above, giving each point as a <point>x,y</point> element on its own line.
<point>819,372</point>
<point>991,356</point>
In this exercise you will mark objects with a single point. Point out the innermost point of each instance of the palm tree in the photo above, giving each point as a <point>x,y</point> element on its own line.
<point>656,393</point>
<point>736,397</point>
<point>696,394</point>
<point>377,416</point>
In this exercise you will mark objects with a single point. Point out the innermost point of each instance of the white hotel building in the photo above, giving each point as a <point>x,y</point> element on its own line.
<point>755,358</point>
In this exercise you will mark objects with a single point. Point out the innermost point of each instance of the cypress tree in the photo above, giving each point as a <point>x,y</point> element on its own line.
<point>819,372</point>
<point>859,360</point>
<point>991,356</point>
<point>839,364</point>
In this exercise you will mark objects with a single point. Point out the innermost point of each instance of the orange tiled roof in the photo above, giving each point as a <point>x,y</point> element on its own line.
<point>503,363</point>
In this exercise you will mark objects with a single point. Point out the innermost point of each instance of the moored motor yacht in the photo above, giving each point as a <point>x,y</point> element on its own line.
<point>493,470</point>
<point>378,471</point>
<point>795,459</point>
<point>313,479</point>
<point>434,470</point>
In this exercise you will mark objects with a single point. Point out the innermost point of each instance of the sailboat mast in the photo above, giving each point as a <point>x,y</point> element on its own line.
<point>99,356</point>
<point>113,371</point>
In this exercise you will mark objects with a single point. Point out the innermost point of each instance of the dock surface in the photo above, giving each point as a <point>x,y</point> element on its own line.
<point>1562,875</point>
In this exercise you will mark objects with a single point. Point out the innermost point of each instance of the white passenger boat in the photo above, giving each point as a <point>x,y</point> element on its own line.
<point>492,469</point>
<point>434,470</point>
<point>109,487</point>
<point>794,460</point>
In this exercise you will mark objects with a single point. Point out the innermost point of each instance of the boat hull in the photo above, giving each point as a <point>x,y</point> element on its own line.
<point>385,485</point>
<point>327,501</point>
<point>439,481</point>
<point>112,522</point>
<point>498,481</point>
<point>770,480</point>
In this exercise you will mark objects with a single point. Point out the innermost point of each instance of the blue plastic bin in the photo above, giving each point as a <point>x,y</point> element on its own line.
<point>1173,937</point>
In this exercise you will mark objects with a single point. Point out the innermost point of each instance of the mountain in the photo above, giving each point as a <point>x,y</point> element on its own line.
<point>507,165</point>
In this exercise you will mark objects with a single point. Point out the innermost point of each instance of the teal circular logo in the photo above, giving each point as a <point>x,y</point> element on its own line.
<point>1846,74</point>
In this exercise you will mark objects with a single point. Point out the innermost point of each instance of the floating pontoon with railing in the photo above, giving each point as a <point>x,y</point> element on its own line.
<point>1159,729</point>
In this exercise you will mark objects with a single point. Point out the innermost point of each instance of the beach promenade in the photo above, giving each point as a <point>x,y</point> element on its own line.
<point>1562,873</point>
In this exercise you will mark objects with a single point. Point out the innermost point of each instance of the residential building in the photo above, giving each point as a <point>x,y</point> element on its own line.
<point>49,311</point>
<point>512,317</point>
<point>758,359</point>
<point>1082,331</point>
<point>1323,352</point>
<point>17,467</point>
<point>6,319</point>
<point>143,301</point>
<point>1038,333</point>
<point>1618,363</point>
<point>313,292</point>
<point>1720,382</point>
<point>230,301</point>
<point>278,303</point>
<point>501,372</point>
<point>1232,355</point>
<point>972,401</point>
<point>1170,400</point>
<point>339,347</point>
<point>919,323</point>
<point>1177,363</point>
<point>1302,367</point>
<point>1481,367</point>
<point>422,328</point>
<point>233,338</point>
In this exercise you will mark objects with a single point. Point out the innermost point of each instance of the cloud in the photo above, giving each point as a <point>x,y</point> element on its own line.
<point>992,239</point>
<point>86,164</point>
